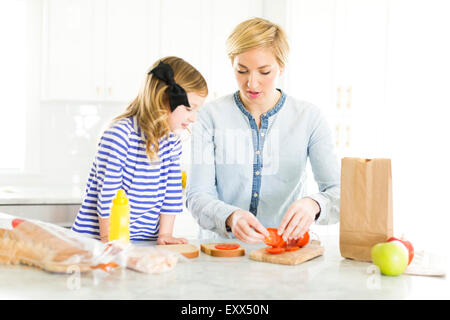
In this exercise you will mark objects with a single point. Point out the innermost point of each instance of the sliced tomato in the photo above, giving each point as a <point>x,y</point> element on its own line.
<point>106,267</point>
<point>16,222</point>
<point>275,250</point>
<point>274,239</point>
<point>227,246</point>
<point>303,241</point>
<point>292,248</point>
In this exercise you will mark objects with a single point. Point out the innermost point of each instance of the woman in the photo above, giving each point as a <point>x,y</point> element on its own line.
<point>250,148</point>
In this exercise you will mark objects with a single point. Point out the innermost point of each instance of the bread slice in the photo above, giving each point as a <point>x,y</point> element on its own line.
<point>210,249</point>
<point>188,250</point>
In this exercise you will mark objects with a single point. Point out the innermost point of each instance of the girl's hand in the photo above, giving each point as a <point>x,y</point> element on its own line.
<point>298,218</point>
<point>246,227</point>
<point>168,239</point>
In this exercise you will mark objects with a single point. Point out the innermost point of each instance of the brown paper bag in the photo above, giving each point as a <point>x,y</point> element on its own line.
<point>366,216</point>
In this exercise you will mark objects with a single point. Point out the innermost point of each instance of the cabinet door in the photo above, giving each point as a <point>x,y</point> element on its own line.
<point>311,71</point>
<point>183,30</point>
<point>224,16</point>
<point>68,64</point>
<point>311,31</point>
<point>131,46</point>
<point>361,46</point>
<point>338,62</point>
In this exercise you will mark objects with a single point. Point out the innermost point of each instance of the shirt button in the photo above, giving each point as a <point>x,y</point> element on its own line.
<point>257,152</point>
<point>255,195</point>
<point>257,173</point>
<point>262,134</point>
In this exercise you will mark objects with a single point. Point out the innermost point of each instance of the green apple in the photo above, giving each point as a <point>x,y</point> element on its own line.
<point>390,257</point>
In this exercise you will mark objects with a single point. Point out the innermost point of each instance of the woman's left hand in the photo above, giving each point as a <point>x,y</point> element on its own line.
<point>168,239</point>
<point>298,218</point>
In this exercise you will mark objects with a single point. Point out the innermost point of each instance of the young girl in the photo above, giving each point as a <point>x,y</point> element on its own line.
<point>140,153</point>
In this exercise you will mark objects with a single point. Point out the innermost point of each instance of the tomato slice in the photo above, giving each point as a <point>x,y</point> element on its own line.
<point>106,267</point>
<point>16,222</point>
<point>274,239</point>
<point>227,246</point>
<point>303,241</point>
<point>274,250</point>
<point>292,248</point>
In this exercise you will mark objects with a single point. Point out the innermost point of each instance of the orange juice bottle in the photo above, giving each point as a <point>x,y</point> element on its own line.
<point>119,219</point>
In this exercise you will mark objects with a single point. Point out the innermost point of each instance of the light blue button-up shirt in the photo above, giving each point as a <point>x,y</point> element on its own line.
<point>235,165</point>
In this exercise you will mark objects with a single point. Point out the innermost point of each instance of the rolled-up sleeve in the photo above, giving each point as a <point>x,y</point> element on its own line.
<point>326,169</point>
<point>201,193</point>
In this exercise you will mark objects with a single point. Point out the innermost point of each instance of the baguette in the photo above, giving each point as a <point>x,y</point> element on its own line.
<point>43,246</point>
<point>56,249</point>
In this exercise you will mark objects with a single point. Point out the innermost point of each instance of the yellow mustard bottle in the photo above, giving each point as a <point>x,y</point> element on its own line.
<point>119,219</point>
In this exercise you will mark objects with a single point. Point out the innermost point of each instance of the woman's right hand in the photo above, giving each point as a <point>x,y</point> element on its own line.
<point>246,227</point>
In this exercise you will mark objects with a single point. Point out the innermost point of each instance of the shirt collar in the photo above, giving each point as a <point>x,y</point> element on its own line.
<point>269,113</point>
<point>135,125</point>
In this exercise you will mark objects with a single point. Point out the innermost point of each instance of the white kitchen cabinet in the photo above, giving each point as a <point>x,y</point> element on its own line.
<point>98,49</point>
<point>338,62</point>
<point>107,45</point>
<point>183,31</point>
<point>69,67</point>
<point>199,37</point>
<point>311,31</point>
<point>224,17</point>
<point>361,70</point>
<point>132,36</point>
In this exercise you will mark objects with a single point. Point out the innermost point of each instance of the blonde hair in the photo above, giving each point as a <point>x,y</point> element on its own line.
<point>258,33</point>
<point>151,106</point>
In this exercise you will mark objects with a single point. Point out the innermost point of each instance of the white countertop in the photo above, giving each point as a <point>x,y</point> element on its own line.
<point>327,277</point>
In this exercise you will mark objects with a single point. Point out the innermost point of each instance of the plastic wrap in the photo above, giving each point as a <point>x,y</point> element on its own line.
<point>56,249</point>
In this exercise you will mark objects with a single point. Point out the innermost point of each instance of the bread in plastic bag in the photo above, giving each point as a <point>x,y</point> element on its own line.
<point>150,260</point>
<point>56,249</point>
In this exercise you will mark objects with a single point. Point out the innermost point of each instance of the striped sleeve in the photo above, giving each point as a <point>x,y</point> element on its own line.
<point>173,201</point>
<point>110,162</point>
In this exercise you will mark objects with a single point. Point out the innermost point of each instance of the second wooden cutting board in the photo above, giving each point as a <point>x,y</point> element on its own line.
<point>210,249</point>
<point>188,250</point>
<point>308,252</point>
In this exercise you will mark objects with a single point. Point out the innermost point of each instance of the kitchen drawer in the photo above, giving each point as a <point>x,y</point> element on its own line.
<point>60,214</point>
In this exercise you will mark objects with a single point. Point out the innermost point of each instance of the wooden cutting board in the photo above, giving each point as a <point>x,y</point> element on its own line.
<point>209,248</point>
<point>308,252</point>
<point>188,250</point>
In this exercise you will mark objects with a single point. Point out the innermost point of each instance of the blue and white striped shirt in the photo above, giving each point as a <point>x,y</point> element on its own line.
<point>152,188</point>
